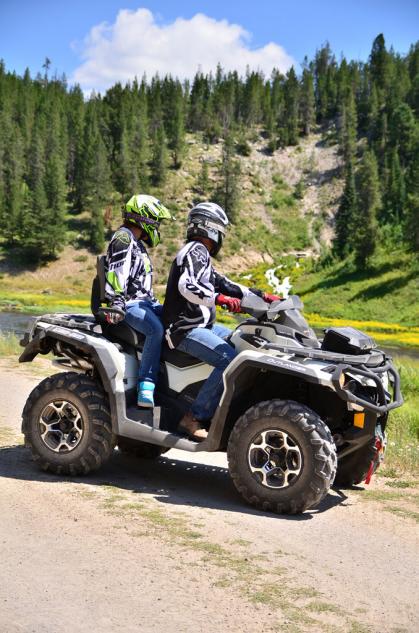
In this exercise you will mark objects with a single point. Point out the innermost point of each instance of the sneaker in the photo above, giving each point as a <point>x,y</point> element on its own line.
<point>145,394</point>
<point>192,427</point>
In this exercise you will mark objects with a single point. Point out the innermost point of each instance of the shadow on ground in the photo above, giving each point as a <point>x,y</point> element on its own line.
<point>170,481</point>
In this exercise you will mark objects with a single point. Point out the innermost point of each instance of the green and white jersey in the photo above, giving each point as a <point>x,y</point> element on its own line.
<point>129,273</point>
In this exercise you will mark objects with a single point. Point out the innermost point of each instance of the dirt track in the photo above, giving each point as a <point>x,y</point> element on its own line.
<point>169,546</point>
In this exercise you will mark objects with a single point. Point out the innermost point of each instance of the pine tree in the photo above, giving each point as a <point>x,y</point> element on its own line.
<point>395,198</point>
<point>411,225</point>
<point>379,63</point>
<point>324,72</point>
<point>75,119</point>
<point>177,129</point>
<point>252,98</point>
<point>203,182</point>
<point>411,215</point>
<point>96,176</point>
<point>125,176</point>
<point>55,187</point>
<point>291,102</point>
<point>14,187</point>
<point>3,159</point>
<point>139,152</point>
<point>307,102</point>
<point>403,132</point>
<point>348,131</point>
<point>36,219</point>
<point>364,235</point>
<point>159,157</point>
<point>346,215</point>
<point>228,193</point>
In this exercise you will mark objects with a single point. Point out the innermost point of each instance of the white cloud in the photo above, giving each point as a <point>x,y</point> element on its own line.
<point>136,44</point>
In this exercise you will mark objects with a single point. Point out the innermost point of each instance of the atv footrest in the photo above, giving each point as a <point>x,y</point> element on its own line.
<point>151,417</point>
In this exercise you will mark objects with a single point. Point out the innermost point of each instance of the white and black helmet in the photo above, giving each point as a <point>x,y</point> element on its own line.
<point>207,219</point>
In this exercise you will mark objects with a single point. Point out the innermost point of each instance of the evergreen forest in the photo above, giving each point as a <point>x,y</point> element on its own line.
<point>62,154</point>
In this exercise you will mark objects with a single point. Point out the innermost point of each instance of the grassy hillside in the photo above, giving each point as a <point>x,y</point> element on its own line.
<point>385,291</point>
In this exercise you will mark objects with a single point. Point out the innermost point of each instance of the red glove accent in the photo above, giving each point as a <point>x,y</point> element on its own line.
<point>232,304</point>
<point>270,298</point>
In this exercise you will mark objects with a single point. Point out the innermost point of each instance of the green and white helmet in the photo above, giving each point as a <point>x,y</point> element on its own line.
<point>146,212</point>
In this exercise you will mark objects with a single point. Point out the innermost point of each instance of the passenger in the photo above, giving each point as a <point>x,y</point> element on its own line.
<point>193,290</point>
<point>129,278</point>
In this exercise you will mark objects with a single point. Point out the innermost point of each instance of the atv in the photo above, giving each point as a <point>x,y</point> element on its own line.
<point>297,414</point>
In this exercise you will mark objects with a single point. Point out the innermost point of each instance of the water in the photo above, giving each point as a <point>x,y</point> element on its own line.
<point>15,322</point>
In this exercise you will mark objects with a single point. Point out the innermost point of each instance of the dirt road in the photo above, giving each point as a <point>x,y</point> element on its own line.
<point>169,546</point>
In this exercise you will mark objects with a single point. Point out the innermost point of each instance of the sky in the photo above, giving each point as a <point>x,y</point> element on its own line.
<point>96,43</point>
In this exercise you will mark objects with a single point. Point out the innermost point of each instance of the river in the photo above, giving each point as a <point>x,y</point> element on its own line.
<point>16,322</point>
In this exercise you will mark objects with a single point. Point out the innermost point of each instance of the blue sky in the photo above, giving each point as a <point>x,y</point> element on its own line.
<point>143,41</point>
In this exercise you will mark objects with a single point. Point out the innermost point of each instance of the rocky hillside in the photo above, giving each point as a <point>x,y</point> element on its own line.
<point>287,201</point>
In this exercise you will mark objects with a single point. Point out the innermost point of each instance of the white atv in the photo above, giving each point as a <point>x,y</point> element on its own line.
<point>295,412</point>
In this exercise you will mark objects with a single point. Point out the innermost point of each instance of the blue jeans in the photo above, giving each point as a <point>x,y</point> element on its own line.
<point>209,346</point>
<point>144,317</point>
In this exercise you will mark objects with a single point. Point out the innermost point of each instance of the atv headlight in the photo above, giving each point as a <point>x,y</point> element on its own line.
<point>362,380</point>
<point>384,377</point>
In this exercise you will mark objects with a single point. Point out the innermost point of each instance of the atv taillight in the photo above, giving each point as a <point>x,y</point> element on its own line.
<point>374,462</point>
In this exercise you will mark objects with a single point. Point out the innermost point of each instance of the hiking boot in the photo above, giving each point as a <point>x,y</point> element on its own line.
<point>192,427</point>
<point>145,398</point>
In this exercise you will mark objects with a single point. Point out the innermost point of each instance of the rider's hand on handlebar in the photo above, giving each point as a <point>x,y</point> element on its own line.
<point>232,304</point>
<point>271,298</point>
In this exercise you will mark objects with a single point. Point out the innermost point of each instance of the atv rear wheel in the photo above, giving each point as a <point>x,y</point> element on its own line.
<point>143,450</point>
<point>281,457</point>
<point>67,424</point>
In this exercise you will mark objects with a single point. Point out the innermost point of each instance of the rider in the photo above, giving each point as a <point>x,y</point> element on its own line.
<point>193,290</point>
<point>129,276</point>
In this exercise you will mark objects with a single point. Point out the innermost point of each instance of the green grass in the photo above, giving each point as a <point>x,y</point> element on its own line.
<point>9,345</point>
<point>387,290</point>
<point>402,455</point>
<point>34,303</point>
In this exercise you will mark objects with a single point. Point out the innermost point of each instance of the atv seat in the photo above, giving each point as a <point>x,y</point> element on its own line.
<point>177,358</point>
<point>118,332</point>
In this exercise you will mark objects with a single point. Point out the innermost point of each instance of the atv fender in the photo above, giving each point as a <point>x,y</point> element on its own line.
<point>252,359</point>
<point>106,358</point>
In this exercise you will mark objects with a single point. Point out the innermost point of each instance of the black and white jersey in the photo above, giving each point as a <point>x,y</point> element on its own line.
<point>128,270</point>
<point>191,290</point>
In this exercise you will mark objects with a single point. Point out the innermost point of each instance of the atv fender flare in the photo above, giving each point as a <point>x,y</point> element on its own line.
<point>43,342</point>
<point>242,363</point>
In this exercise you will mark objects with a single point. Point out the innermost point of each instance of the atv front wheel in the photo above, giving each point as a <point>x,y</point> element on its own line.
<point>143,450</point>
<point>67,424</point>
<point>281,457</point>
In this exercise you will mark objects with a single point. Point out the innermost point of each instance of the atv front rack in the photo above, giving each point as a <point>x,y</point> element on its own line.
<point>343,390</point>
<point>374,358</point>
<point>367,365</point>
